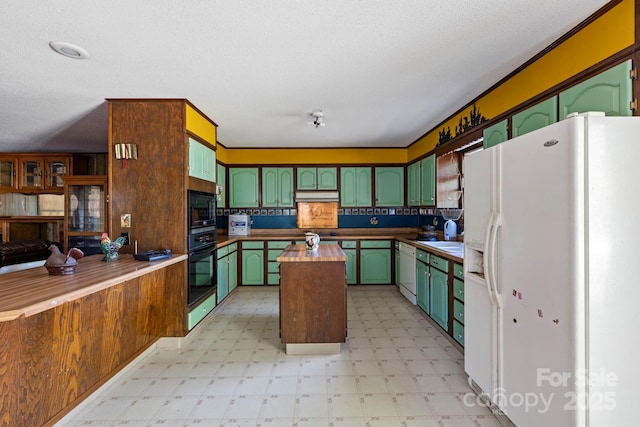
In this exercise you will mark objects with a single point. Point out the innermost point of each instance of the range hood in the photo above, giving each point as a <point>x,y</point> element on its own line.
<point>317,196</point>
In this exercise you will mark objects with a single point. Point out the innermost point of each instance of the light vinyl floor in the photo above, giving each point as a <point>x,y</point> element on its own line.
<point>395,370</point>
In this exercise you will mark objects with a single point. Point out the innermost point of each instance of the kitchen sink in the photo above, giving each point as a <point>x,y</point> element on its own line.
<point>454,248</point>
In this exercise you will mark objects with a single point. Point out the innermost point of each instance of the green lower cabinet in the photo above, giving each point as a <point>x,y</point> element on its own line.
<point>198,313</point>
<point>422,286</point>
<point>223,278</point>
<point>274,248</point>
<point>375,262</point>
<point>439,297</point>
<point>252,263</point>
<point>233,270</point>
<point>458,332</point>
<point>349,249</point>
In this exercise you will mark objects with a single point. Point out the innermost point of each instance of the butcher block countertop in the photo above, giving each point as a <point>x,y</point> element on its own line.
<point>31,291</point>
<point>299,253</point>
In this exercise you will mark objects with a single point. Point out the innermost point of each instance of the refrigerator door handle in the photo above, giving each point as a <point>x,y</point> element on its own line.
<point>486,260</point>
<point>493,260</point>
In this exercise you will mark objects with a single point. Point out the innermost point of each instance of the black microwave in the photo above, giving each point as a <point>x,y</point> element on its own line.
<point>202,209</point>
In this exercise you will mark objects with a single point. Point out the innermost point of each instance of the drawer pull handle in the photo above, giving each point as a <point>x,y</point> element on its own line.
<point>460,291</point>
<point>460,314</point>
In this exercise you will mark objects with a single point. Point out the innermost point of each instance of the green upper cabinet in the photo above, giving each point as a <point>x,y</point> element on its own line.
<point>317,178</point>
<point>413,184</point>
<point>277,187</point>
<point>243,187</point>
<point>428,181</point>
<point>221,172</point>
<point>495,134</point>
<point>202,161</point>
<point>355,186</point>
<point>389,186</point>
<point>609,92</point>
<point>536,117</point>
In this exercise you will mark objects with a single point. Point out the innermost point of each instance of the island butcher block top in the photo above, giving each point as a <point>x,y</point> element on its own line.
<point>299,253</point>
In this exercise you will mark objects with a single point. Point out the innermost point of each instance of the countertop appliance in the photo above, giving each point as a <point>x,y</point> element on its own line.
<point>239,225</point>
<point>407,285</point>
<point>550,289</point>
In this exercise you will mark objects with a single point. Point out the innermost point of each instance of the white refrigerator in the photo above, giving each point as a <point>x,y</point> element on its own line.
<point>552,224</point>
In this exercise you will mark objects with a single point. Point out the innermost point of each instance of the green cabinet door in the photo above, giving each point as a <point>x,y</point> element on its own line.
<point>233,270</point>
<point>317,178</point>
<point>413,184</point>
<point>307,179</point>
<point>243,187</point>
<point>495,134</point>
<point>221,182</point>
<point>355,186</point>
<point>352,277</point>
<point>375,266</point>
<point>398,265</point>
<point>439,297</point>
<point>327,179</point>
<point>223,278</point>
<point>202,161</point>
<point>277,187</point>
<point>536,117</point>
<point>428,181</point>
<point>252,267</point>
<point>422,286</point>
<point>609,92</point>
<point>389,182</point>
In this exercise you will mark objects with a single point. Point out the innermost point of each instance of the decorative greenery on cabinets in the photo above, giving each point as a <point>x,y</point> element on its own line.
<point>465,124</point>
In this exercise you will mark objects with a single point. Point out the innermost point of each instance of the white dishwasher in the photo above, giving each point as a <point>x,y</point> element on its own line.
<point>407,271</point>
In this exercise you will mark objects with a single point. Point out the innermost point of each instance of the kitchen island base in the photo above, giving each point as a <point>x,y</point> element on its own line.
<point>312,349</point>
<point>313,299</point>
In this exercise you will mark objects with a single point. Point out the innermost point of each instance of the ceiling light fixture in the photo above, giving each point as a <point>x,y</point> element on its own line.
<point>318,118</point>
<point>69,50</point>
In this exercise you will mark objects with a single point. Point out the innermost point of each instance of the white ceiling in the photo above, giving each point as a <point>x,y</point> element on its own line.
<point>384,72</point>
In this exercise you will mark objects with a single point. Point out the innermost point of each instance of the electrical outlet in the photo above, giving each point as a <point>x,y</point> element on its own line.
<point>126,238</point>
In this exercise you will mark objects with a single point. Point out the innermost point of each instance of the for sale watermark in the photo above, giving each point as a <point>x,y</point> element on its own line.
<point>579,390</point>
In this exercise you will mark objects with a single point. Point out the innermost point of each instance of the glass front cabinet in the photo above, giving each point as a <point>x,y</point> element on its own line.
<point>85,204</point>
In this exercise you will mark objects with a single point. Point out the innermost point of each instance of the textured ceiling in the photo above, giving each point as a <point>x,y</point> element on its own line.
<point>383,72</point>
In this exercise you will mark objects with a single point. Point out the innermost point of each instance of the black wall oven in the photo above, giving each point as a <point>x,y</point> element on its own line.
<point>201,242</point>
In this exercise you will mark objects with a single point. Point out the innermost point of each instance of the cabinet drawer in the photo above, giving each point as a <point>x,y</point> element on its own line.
<point>422,256</point>
<point>272,254</point>
<point>232,247</point>
<point>273,279</point>
<point>458,271</point>
<point>439,263</point>
<point>349,244</point>
<point>222,252</point>
<point>198,313</point>
<point>458,311</point>
<point>458,289</point>
<point>273,267</point>
<point>252,245</point>
<point>278,244</point>
<point>364,244</point>
<point>458,332</point>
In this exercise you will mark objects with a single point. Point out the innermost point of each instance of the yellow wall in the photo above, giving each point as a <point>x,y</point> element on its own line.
<point>295,156</point>
<point>200,126</point>
<point>604,37</point>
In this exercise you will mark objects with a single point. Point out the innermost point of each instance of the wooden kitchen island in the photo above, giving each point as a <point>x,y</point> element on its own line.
<point>313,299</point>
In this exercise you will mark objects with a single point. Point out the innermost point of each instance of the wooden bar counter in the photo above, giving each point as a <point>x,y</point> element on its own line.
<point>62,337</point>
<point>313,299</point>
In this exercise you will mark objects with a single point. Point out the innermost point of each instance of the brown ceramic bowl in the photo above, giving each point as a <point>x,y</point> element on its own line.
<point>61,270</point>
